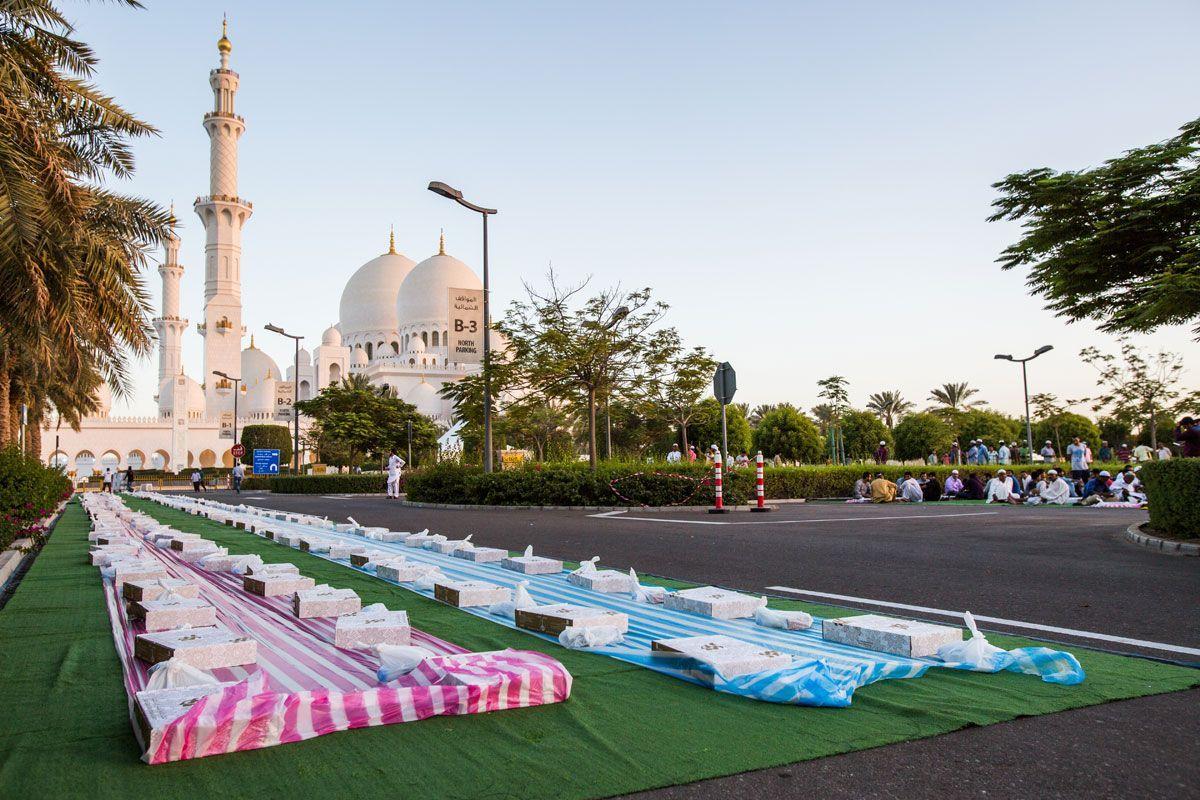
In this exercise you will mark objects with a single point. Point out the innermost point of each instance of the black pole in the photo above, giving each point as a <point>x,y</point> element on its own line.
<point>235,394</point>
<point>487,357</point>
<point>1028,427</point>
<point>410,444</point>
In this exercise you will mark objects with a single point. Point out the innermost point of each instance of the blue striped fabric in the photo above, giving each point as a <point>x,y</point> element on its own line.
<point>822,673</point>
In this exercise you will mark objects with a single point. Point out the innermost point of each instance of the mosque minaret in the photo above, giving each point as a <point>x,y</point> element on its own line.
<point>223,214</point>
<point>392,329</point>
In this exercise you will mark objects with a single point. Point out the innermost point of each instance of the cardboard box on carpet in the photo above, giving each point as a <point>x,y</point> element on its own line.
<point>419,539</point>
<point>340,552</point>
<point>445,546</point>
<point>533,565</point>
<point>554,619</point>
<point>728,656</point>
<point>277,567</point>
<point>713,602</point>
<point>481,555</point>
<point>155,709</point>
<point>402,571</point>
<point>325,601</point>
<point>367,556</point>
<point>602,580</point>
<point>152,589</point>
<point>204,648</point>
<point>169,614</point>
<point>133,569</point>
<point>268,584</point>
<point>901,637</point>
<point>372,626</point>
<point>466,594</point>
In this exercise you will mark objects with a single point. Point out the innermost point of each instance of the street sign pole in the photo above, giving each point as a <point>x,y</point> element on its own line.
<point>724,386</point>
<point>724,432</point>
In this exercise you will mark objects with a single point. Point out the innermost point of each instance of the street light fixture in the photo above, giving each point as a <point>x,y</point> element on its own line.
<point>295,394</point>
<point>1025,381</point>
<point>236,381</point>
<point>447,191</point>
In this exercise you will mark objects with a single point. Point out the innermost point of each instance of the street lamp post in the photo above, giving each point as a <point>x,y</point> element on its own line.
<point>295,394</point>
<point>437,187</point>
<point>236,381</point>
<point>1025,382</point>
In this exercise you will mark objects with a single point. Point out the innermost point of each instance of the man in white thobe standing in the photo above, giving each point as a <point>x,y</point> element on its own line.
<point>394,464</point>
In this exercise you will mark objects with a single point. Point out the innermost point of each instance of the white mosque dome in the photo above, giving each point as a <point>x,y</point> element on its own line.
<point>425,398</point>
<point>359,359</point>
<point>260,399</point>
<point>416,345</point>
<point>423,295</point>
<point>369,299</point>
<point>332,337</point>
<point>303,357</point>
<point>257,366</point>
<point>195,396</point>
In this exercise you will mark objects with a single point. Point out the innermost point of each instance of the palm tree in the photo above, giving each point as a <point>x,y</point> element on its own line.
<point>955,397</point>
<point>889,406</point>
<point>760,411</point>
<point>73,307</point>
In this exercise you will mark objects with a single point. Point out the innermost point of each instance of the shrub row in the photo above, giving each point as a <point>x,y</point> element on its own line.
<point>322,484</point>
<point>29,491</point>
<point>651,485</point>
<point>1173,489</point>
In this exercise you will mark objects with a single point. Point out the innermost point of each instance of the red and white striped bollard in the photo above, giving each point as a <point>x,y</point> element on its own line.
<point>718,493</point>
<point>759,487</point>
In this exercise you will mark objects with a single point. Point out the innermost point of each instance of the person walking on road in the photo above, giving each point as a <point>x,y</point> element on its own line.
<point>394,464</point>
<point>239,472</point>
<point>198,481</point>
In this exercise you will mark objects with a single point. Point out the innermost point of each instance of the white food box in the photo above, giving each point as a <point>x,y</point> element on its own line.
<point>150,590</point>
<point>713,602</point>
<point>341,552</point>
<point>533,565</point>
<point>553,619</point>
<point>419,539</point>
<point>901,637</point>
<point>728,656</point>
<point>365,558</point>
<point>325,601</point>
<point>368,628</point>
<point>392,536</point>
<point>167,615</point>
<point>602,580</point>
<point>310,545</point>
<point>402,571</point>
<point>465,594</point>
<point>481,555</point>
<point>158,708</point>
<point>104,555</point>
<point>204,648</point>
<point>270,584</point>
<point>445,546</point>
<point>280,567</point>
<point>137,569</point>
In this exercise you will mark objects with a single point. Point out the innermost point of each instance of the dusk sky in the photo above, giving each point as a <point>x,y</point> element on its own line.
<point>807,184</point>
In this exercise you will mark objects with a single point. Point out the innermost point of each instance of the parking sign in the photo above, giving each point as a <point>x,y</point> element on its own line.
<point>266,462</point>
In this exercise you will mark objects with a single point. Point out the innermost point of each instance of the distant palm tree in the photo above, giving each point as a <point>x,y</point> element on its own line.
<point>825,415</point>
<point>955,397</point>
<point>889,406</point>
<point>760,411</point>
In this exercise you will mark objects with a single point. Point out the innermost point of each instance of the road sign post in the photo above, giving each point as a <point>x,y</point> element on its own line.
<point>724,387</point>
<point>266,462</point>
<point>238,450</point>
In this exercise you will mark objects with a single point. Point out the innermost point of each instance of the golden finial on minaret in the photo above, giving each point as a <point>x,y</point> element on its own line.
<point>442,243</point>
<point>392,241</point>
<point>223,44</point>
<point>252,341</point>
<point>171,217</point>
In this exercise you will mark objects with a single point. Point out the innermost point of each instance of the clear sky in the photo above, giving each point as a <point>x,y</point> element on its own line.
<point>806,183</point>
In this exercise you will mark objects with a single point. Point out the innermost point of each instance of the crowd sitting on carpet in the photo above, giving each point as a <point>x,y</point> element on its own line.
<point>1039,487</point>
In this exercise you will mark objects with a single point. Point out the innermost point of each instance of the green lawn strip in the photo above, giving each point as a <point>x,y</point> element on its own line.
<point>64,729</point>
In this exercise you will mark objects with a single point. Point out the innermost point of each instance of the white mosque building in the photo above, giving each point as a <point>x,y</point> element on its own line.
<point>392,327</point>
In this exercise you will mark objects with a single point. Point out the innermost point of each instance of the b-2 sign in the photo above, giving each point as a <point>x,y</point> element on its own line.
<point>466,326</point>
<point>285,400</point>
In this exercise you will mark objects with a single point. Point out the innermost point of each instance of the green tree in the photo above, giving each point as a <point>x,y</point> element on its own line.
<point>991,426</point>
<point>918,435</point>
<point>541,427</point>
<point>783,431</point>
<point>1063,427</point>
<point>707,426</point>
<point>1116,243</point>
<point>890,406</point>
<point>1115,431</point>
<point>954,397</point>
<point>863,431</point>
<point>266,437</point>
<point>761,410</point>
<point>835,391</point>
<point>73,305</point>
<point>825,415</point>
<point>1137,386</point>
<point>354,421</point>
<point>674,393</point>
<point>578,351</point>
<point>1149,435</point>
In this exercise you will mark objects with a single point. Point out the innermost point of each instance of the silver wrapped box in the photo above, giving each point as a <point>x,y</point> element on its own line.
<point>713,602</point>
<point>900,637</point>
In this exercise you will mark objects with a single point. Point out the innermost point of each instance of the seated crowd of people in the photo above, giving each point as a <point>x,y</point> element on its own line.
<point>1049,487</point>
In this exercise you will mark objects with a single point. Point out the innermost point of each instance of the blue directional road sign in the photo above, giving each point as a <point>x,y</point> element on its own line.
<point>266,462</point>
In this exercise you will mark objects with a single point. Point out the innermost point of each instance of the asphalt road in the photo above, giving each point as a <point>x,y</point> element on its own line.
<point>1069,568</point>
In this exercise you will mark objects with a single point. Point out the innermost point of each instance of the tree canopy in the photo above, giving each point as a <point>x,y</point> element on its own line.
<point>783,431</point>
<point>1116,243</point>
<point>862,432</point>
<point>917,435</point>
<point>355,421</point>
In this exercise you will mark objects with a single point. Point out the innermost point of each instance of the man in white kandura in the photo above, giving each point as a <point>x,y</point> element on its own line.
<point>394,464</point>
<point>1053,490</point>
<point>674,456</point>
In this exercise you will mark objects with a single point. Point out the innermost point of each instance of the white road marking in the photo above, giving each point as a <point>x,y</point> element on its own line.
<point>1012,623</point>
<point>611,514</point>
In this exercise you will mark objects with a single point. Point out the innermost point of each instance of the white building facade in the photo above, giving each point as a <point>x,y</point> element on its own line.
<point>392,328</point>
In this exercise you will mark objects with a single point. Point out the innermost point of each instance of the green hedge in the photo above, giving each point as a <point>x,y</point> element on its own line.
<point>29,491</point>
<point>1173,489</point>
<point>370,483</point>
<point>575,485</point>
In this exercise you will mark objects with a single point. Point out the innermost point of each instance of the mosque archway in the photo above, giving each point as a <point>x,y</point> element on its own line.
<point>227,459</point>
<point>191,460</point>
<point>369,351</point>
<point>85,463</point>
<point>160,459</point>
<point>59,459</point>
<point>395,348</point>
<point>335,373</point>
<point>208,458</point>
<point>435,339</point>
<point>136,459</point>
<point>305,391</point>
<point>110,460</point>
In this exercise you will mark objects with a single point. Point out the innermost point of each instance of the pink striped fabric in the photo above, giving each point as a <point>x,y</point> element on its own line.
<point>303,686</point>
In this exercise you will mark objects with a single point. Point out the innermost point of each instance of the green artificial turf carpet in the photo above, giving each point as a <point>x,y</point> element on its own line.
<point>65,730</point>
